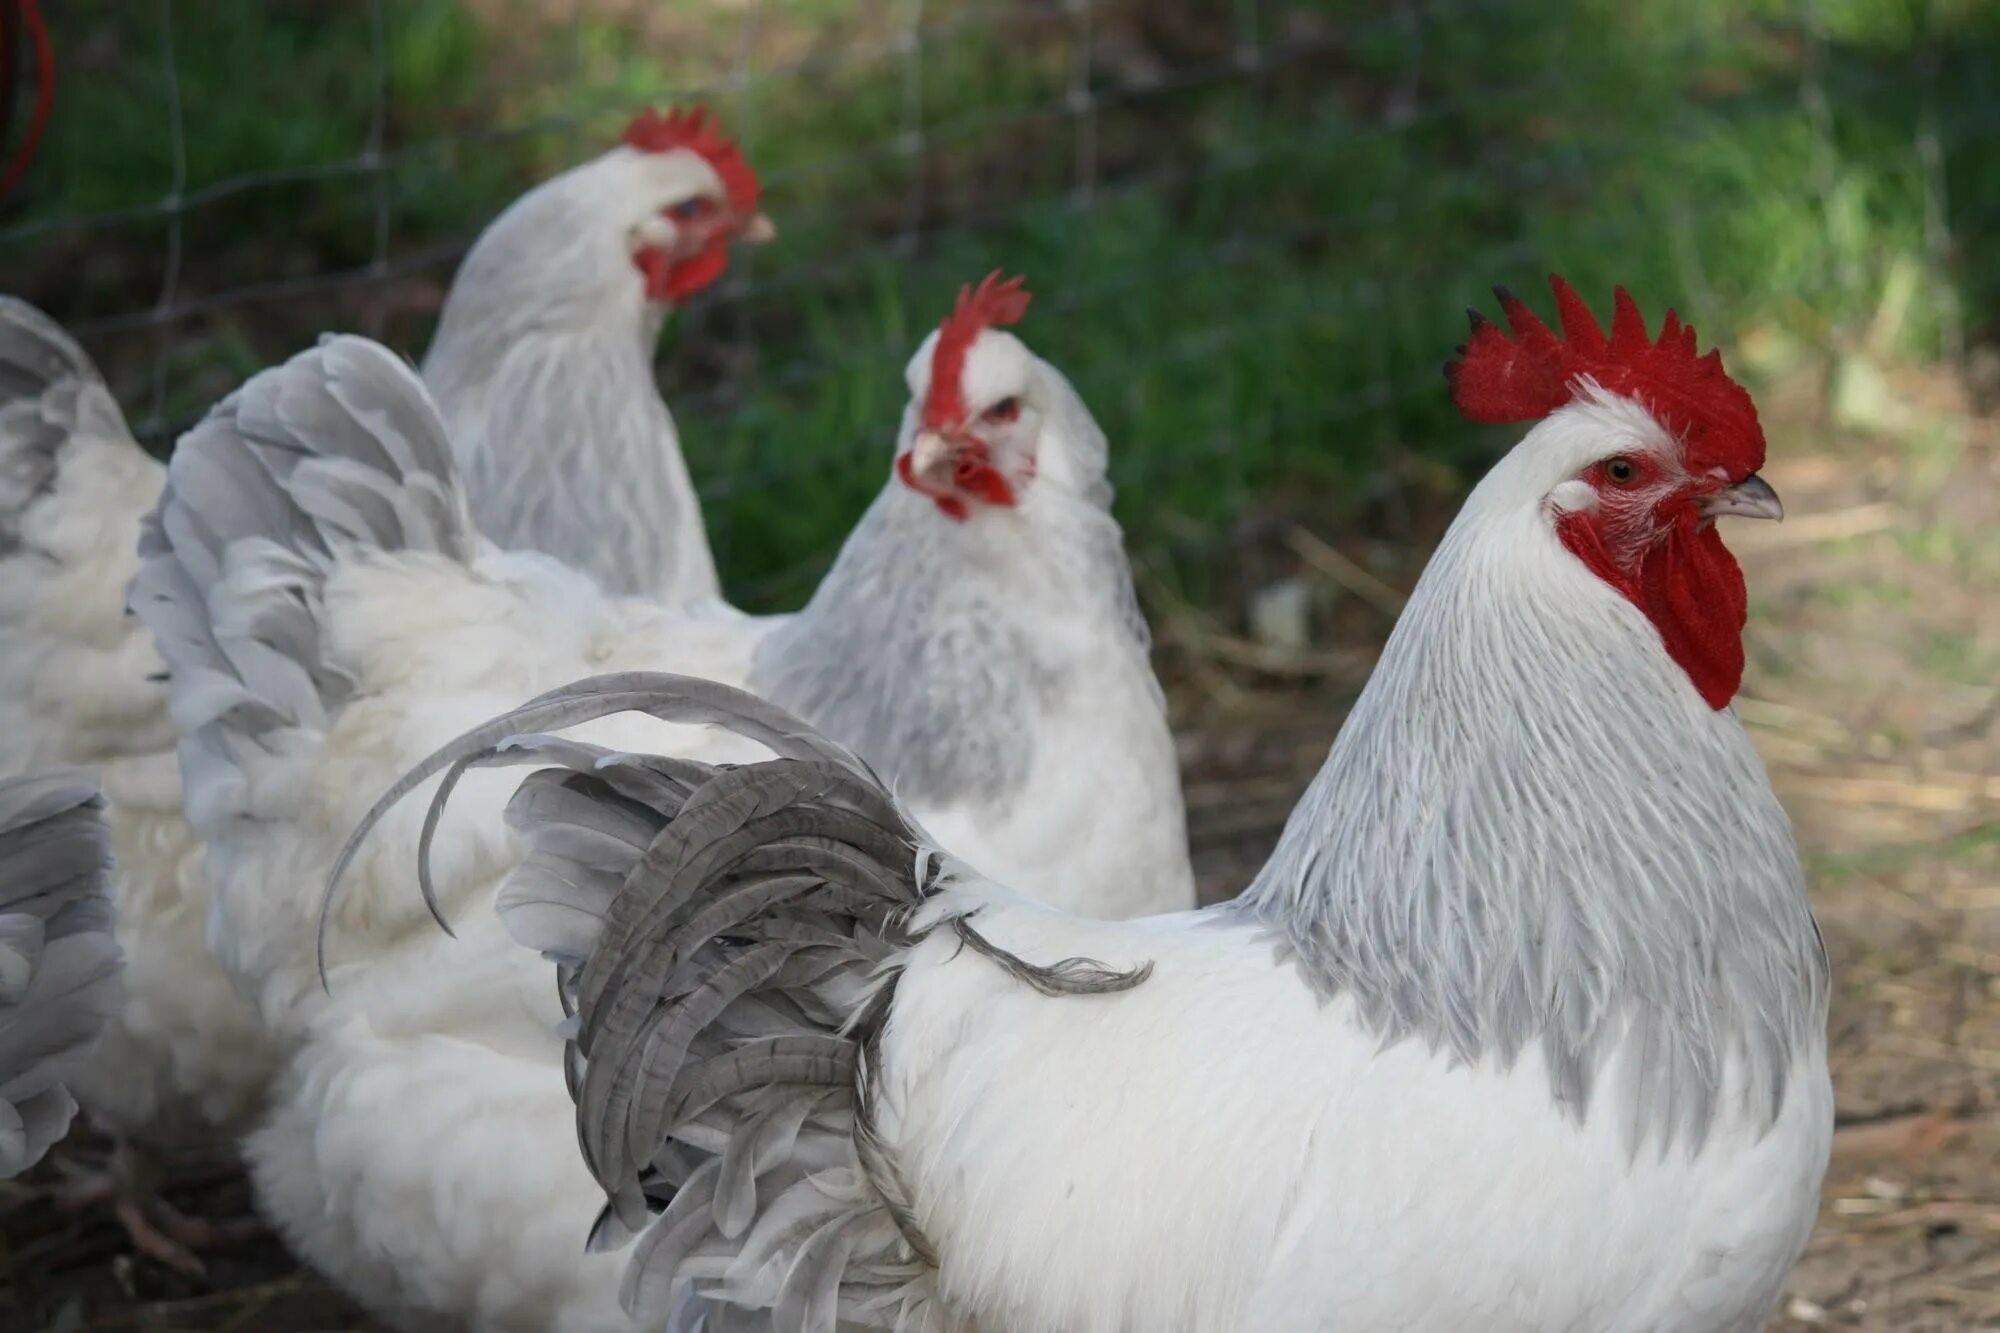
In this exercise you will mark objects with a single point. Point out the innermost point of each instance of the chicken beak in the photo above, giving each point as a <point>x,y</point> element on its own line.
<point>929,452</point>
<point>1751,497</point>
<point>759,230</point>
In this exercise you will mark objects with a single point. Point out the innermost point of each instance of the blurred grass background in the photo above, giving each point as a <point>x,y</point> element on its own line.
<point>1253,225</point>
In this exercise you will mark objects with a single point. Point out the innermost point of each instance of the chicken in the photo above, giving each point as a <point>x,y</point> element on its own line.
<point>542,363</point>
<point>566,289</point>
<point>59,961</point>
<point>1521,1027</point>
<point>330,618</point>
<point>80,683</point>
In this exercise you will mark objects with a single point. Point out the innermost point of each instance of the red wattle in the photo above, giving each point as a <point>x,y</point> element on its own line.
<point>691,275</point>
<point>1691,589</point>
<point>668,279</point>
<point>948,504</point>
<point>655,264</point>
<point>972,475</point>
<point>981,479</point>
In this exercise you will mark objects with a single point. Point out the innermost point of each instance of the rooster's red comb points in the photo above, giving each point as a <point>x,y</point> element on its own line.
<point>1524,378</point>
<point>694,129</point>
<point>995,303</point>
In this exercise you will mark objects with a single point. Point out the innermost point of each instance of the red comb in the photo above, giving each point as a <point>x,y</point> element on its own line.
<point>995,303</point>
<point>695,130</point>
<point>1525,378</point>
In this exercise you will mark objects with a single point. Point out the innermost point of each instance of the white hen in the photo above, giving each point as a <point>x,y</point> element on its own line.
<point>543,363</point>
<point>1520,1028</point>
<point>331,618</point>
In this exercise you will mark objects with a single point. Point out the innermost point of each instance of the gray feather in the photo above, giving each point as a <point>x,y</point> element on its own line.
<point>58,956</point>
<point>49,390</point>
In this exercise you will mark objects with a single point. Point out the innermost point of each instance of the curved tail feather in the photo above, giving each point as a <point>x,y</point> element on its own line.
<point>728,942</point>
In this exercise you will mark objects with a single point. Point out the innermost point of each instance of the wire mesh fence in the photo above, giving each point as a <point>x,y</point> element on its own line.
<point>1252,224</point>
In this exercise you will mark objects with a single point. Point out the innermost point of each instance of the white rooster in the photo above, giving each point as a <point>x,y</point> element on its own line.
<point>543,364</point>
<point>59,960</point>
<point>1520,1028</point>
<point>330,618</point>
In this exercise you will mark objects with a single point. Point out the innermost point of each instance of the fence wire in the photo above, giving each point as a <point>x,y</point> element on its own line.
<point>1250,223</point>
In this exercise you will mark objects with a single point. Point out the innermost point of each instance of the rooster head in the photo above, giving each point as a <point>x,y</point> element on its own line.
<point>700,198</point>
<point>1672,444</point>
<point>978,404</point>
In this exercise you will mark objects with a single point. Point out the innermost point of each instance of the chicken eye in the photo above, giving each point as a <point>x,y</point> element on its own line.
<point>1007,409</point>
<point>1621,471</point>
<point>687,210</point>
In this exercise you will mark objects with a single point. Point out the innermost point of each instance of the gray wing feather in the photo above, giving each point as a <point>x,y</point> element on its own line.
<point>337,451</point>
<point>60,968</point>
<point>35,352</point>
<point>49,389</point>
<point>728,942</point>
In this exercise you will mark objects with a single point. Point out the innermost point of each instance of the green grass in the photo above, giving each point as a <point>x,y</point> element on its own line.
<point>1956,655</point>
<point>1976,846</point>
<point>1256,296</point>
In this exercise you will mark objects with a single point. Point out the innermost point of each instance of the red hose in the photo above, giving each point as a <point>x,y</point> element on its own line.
<point>45,95</point>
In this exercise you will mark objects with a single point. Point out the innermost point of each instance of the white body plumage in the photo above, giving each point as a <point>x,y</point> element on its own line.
<point>1224,1148</point>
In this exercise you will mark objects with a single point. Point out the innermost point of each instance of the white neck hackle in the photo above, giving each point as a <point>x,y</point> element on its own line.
<point>1532,831</point>
<point>543,367</point>
<point>931,642</point>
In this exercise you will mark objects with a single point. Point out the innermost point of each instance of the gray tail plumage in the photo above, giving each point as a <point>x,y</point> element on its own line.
<point>59,961</point>
<point>48,388</point>
<point>728,943</point>
<point>340,450</point>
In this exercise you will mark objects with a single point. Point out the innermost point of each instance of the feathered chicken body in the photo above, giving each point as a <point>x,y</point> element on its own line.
<point>1521,1027</point>
<point>330,619</point>
<point>541,363</point>
<point>59,961</point>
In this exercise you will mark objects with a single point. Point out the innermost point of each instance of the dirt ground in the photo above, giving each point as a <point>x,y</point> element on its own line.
<point>1874,693</point>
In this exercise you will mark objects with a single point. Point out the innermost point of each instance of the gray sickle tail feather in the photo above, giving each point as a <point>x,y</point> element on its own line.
<point>338,450</point>
<point>59,962</point>
<point>727,942</point>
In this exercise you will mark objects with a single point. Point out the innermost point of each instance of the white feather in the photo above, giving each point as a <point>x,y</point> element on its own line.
<point>1221,1148</point>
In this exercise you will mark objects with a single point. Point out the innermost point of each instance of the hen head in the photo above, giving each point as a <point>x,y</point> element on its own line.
<point>694,196</point>
<point>978,403</point>
<point>1672,444</point>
